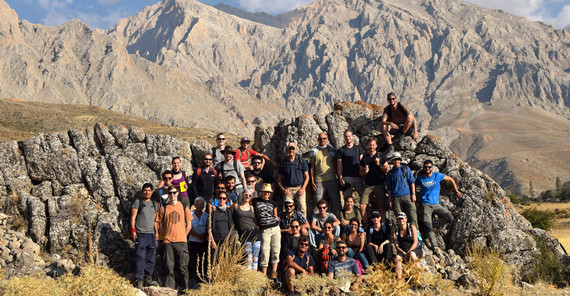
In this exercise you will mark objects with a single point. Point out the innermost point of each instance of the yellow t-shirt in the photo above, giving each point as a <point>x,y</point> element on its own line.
<point>324,165</point>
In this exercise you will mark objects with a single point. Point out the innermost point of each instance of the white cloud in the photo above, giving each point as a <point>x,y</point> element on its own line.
<point>539,10</point>
<point>101,21</point>
<point>272,6</point>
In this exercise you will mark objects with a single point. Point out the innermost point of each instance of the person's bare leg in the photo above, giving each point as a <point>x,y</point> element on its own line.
<point>386,134</point>
<point>264,270</point>
<point>289,276</point>
<point>364,213</point>
<point>398,266</point>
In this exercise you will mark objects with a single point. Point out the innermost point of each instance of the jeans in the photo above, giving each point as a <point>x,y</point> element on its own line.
<point>176,254</point>
<point>360,256</point>
<point>145,255</point>
<point>444,215</point>
<point>315,237</point>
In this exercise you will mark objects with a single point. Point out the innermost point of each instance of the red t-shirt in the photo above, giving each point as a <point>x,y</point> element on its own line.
<point>242,156</point>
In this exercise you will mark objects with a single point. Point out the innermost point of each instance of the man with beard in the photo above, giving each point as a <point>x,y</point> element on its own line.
<point>397,120</point>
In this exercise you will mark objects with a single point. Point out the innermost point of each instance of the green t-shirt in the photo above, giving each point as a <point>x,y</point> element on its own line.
<point>324,165</point>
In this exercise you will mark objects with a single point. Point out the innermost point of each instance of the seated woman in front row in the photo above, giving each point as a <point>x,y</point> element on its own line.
<point>356,242</point>
<point>406,242</point>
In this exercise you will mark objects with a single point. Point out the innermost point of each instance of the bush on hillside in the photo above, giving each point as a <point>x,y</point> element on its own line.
<point>547,267</point>
<point>539,218</point>
<point>493,274</point>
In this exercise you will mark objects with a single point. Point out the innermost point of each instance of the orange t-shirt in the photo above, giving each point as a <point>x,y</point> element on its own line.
<point>174,219</point>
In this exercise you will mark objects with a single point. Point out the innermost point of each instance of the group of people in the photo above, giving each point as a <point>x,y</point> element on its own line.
<point>267,213</point>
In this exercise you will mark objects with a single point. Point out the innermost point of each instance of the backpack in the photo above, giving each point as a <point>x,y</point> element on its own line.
<point>420,241</point>
<point>141,203</point>
<point>388,110</point>
<point>221,172</point>
<point>404,171</point>
<point>199,172</point>
<point>325,258</point>
<point>306,255</point>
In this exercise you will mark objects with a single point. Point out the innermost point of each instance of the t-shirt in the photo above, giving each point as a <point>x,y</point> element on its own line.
<point>350,160</point>
<point>144,222</point>
<point>398,117</point>
<point>285,222</point>
<point>329,217</point>
<point>242,156</point>
<point>346,268</point>
<point>174,219</point>
<point>261,178</point>
<point>355,213</point>
<point>199,226</point>
<point>375,176</point>
<point>227,169</point>
<point>204,186</point>
<point>265,212</point>
<point>302,261</point>
<point>218,156</point>
<point>324,165</point>
<point>430,187</point>
<point>400,186</point>
<point>292,172</point>
<point>380,236</point>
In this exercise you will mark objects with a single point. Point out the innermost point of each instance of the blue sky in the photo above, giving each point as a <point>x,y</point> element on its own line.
<point>105,13</point>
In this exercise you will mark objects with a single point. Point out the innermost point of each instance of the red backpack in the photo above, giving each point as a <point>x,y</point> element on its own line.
<point>325,259</point>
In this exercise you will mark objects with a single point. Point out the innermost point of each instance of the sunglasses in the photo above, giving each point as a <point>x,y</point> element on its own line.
<point>322,138</point>
<point>328,227</point>
<point>322,208</point>
<point>303,244</point>
<point>295,226</point>
<point>428,167</point>
<point>250,181</point>
<point>391,99</point>
<point>289,206</point>
<point>248,195</point>
<point>257,162</point>
<point>222,198</point>
<point>353,225</point>
<point>375,217</point>
<point>207,159</point>
<point>167,178</point>
<point>172,192</point>
<point>221,188</point>
<point>291,148</point>
<point>340,248</point>
<point>221,139</point>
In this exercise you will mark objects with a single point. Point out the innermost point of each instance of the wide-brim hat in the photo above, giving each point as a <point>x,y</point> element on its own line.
<point>266,188</point>
<point>228,149</point>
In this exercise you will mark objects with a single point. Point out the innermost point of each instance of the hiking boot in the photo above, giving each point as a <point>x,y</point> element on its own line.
<point>139,284</point>
<point>390,151</point>
<point>401,140</point>
<point>274,275</point>
<point>149,282</point>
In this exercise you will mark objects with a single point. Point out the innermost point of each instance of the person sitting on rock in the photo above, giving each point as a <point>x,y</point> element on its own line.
<point>343,269</point>
<point>144,234</point>
<point>428,181</point>
<point>378,236</point>
<point>397,120</point>
<point>356,242</point>
<point>244,155</point>
<point>299,262</point>
<point>407,243</point>
<point>289,214</point>
<point>316,233</point>
<point>348,212</point>
<point>401,189</point>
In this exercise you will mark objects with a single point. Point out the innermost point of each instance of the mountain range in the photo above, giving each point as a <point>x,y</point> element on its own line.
<point>495,85</point>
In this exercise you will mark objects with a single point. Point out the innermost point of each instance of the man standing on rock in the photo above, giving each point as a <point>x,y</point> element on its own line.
<point>428,181</point>
<point>347,166</point>
<point>174,224</point>
<point>144,234</point>
<point>323,174</point>
<point>397,120</point>
<point>373,168</point>
<point>293,177</point>
<point>217,152</point>
<point>401,189</point>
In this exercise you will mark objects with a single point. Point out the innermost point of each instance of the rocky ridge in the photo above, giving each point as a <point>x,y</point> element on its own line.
<point>74,189</point>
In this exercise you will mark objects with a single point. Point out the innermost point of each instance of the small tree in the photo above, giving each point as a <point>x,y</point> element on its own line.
<point>531,190</point>
<point>558,184</point>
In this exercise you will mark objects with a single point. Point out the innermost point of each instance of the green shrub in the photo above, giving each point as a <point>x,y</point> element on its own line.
<point>539,219</point>
<point>547,267</point>
<point>514,199</point>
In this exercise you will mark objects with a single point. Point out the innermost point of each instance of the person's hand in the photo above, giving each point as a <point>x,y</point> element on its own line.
<point>415,136</point>
<point>377,160</point>
<point>134,236</point>
<point>389,203</point>
<point>366,169</point>
<point>380,249</point>
<point>287,192</point>
<point>305,272</point>
<point>413,198</point>
<point>341,182</point>
<point>300,192</point>
<point>393,125</point>
<point>333,251</point>
<point>314,186</point>
<point>214,246</point>
<point>459,194</point>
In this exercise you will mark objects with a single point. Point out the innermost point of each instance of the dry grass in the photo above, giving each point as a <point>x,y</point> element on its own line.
<point>561,229</point>
<point>93,280</point>
<point>494,275</point>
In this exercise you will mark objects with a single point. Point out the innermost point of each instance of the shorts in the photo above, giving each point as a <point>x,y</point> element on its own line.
<point>375,194</point>
<point>398,131</point>
<point>418,251</point>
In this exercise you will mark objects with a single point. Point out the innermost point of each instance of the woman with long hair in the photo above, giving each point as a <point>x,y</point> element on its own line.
<point>248,231</point>
<point>406,242</point>
<point>327,246</point>
<point>356,242</point>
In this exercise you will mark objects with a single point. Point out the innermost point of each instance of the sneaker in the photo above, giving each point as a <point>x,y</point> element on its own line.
<point>401,140</point>
<point>139,284</point>
<point>149,282</point>
<point>274,275</point>
<point>390,151</point>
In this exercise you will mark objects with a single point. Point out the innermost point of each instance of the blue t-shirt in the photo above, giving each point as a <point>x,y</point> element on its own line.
<point>430,187</point>
<point>399,187</point>
<point>301,261</point>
